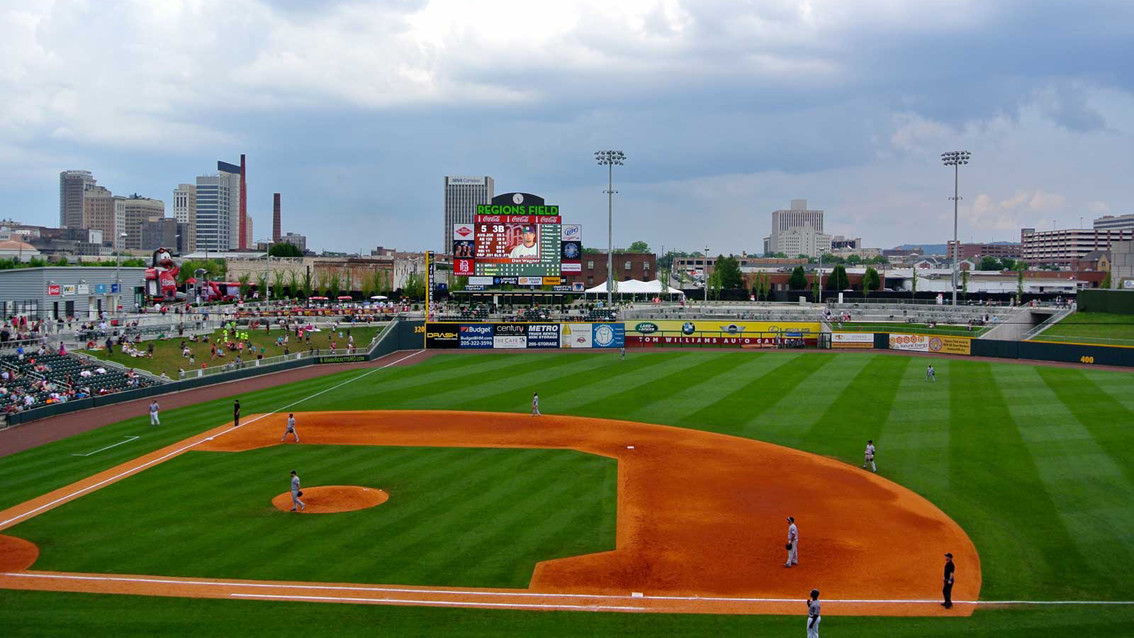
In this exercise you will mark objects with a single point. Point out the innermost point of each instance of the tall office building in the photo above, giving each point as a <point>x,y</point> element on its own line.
<point>218,209</point>
<point>129,215</point>
<point>462,194</point>
<point>796,217</point>
<point>185,211</point>
<point>72,186</point>
<point>99,213</point>
<point>244,233</point>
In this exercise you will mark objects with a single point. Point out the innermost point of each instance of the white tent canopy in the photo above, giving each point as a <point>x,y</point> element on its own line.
<point>635,287</point>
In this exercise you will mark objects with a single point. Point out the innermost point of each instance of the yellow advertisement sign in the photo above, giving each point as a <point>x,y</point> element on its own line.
<point>719,327</point>
<point>954,345</point>
<point>931,343</point>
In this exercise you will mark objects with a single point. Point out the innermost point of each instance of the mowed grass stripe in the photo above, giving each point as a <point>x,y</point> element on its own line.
<point>439,380</point>
<point>1098,412</point>
<point>796,408</point>
<point>619,394</point>
<point>602,374</point>
<point>1120,386</point>
<point>1025,548</point>
<point>457,396</point>
<point>859,412</point>
<point>1072,464</point>
<point>691,395</point>
<point>914,449</point>
<point>751,400</point>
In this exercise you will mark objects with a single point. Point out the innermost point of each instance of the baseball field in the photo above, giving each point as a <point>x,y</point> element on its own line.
<point>669,471</point>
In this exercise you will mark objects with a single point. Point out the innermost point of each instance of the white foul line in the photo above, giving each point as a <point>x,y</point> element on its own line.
<point>68,497</point>
<point>517,594</point>
<point>443,603</point>
<point>128,439</point>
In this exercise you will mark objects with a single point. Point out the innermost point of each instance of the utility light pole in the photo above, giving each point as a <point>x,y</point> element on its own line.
<point>609,159</point>
<point>955,159</point>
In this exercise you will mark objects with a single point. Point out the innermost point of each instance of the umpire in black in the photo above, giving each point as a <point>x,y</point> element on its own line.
<point>947,587</point>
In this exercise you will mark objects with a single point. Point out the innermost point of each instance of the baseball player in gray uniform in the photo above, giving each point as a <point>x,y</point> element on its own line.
<point>295,493</point>
<point>792,543</point>
<point>869,456</point>
<point>535,404</point>
<point>813,617</point>
<point>154,420</point>
<point>290,428</point>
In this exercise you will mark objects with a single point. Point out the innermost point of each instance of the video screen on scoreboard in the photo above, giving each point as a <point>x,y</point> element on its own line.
<point>517,245</point>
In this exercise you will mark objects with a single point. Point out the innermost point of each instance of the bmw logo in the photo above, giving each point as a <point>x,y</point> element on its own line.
<point>571,251</point>
<point>688,328</point>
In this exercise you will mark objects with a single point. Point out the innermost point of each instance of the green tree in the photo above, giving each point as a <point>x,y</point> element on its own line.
<point>292,284</point>
<point>284,249</point>
<point>1008,264</point>
<point>798,280</point>
<point>989,263</point>
<point>714,284</point>
<point>870,281</point>
<point>308,283</point>
<point>1106,283</point>
<point>816,293</point>
<point>334,283</point>
<point>323,283</point>
<point>838,279</point>
<point>913,283</point>
<point>1019,285</point>
<point>415,286</point>
<point>639,247</point>
<point>854,260</point>
<point>729,269</point>
<point>245,284</point>
<point>62,261</point>
<point>262,285</point>
<point>278,284</point>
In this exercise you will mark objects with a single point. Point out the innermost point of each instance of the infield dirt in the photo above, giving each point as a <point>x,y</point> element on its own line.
<point>701,522</point>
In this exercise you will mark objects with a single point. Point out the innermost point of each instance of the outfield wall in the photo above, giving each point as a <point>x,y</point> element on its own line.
<point>524,336</point>
<point>1023,350</point>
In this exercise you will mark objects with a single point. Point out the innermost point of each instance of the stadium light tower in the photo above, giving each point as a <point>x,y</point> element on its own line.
<point>955,159</point>
<point>609,159</point>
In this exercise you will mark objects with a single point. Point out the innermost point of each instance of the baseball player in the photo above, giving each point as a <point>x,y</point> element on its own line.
<point>947,589</point>
<point>813,617</point>
<point>622,352</point>
<point>290,428</point>
<point>535,404</point>
<point>154,420</point>
<point>869,456</point>
<point>295,492</point>
<point>930,374</point>
<point>236,414</point>
<point>792,543</point>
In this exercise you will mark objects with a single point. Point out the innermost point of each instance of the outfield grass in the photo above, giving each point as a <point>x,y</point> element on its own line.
<point>1034,462</point>
<point>168,357</point>
<point>1092,327</point>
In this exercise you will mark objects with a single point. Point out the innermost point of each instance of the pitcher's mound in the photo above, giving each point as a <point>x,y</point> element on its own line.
<point>16,554</point>
<point>328,499</point>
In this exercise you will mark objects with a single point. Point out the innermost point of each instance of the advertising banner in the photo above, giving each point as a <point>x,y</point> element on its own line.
<point>481,281</point>
<point>543,335</point>
<point>100,289</point>
<point>608,335</point>
<point>476,335</point>
<point>462,267</point>
<point>576,335</point>
<point>852,339</point>
<point>721,328</point>
<point>931,343</point>
<point>341,358</point>
<point>442,335</point>
<point>509,342</point>
<point>68,290</point>
<point>54,290</point>
<point>530,281</point>
<point>571,232</point>
<point>84,289</point>
<point>753,341</point>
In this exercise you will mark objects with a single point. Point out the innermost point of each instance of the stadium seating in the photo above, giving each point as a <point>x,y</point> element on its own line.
<point>70,377</point>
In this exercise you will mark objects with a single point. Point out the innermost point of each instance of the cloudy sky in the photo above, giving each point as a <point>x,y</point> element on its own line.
<point>726,110</point>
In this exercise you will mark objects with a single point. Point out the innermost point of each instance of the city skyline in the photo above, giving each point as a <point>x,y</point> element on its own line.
<point>728,112</point>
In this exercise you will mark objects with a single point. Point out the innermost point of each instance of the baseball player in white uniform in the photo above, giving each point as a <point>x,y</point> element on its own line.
<point>869,456</point>
<point>295,502</point>
<point>290,428</point>
<point>535,404</point>
<point>154,420</point>
<point>813,617</point>
<point>792,543</point>
<point>930,374</point>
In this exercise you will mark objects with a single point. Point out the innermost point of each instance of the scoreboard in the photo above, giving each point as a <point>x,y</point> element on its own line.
<point>517,245</point>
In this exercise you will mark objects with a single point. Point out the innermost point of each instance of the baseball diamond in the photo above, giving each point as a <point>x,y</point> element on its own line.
<point>656,484</point>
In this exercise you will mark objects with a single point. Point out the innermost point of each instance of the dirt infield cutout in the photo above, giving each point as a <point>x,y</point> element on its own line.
<point>332,499</point>
<point>701,523</point>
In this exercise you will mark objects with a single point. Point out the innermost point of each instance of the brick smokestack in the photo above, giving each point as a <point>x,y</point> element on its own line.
<point>276,233</point>
<point>243,243</point>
